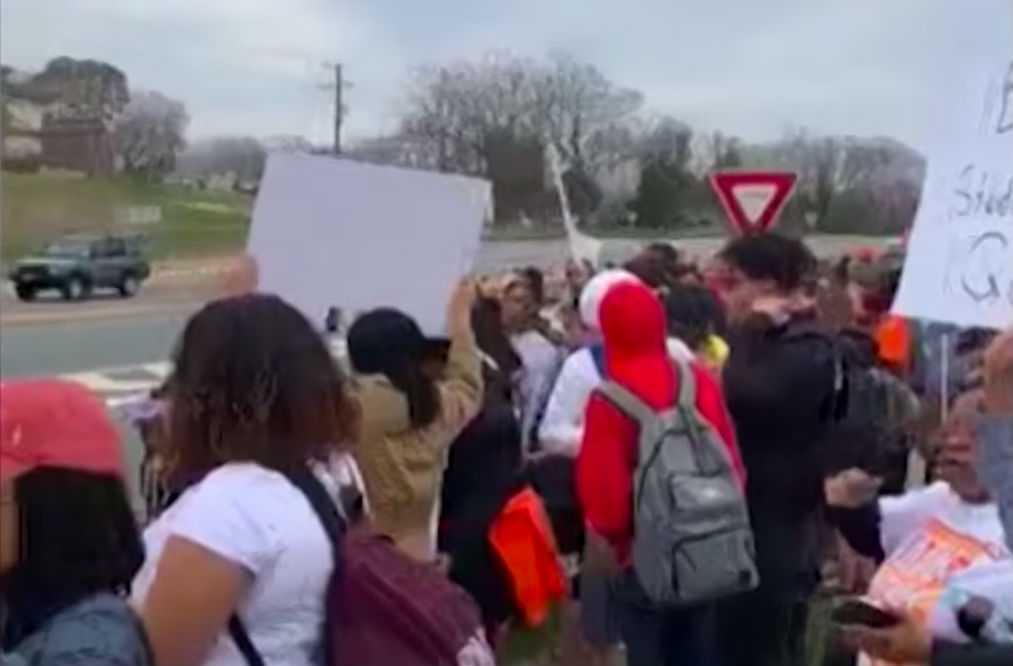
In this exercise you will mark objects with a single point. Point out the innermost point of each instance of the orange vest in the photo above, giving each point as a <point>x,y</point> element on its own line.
<point>522,537</point>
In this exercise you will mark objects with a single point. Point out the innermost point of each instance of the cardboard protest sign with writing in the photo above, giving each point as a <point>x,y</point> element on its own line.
<point>332,234</point>
<point>959,267</point>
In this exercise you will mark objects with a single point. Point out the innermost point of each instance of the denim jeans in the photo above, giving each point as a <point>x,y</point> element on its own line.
<point>664,637</point>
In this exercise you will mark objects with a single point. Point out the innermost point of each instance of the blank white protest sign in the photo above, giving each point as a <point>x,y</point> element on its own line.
<point>331,232</point>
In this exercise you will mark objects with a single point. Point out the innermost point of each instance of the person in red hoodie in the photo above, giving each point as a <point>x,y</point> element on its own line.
<point>633,327</point>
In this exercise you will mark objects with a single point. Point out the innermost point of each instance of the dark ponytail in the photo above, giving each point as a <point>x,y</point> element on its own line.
<point>420,390</point>
<point>388,342</point>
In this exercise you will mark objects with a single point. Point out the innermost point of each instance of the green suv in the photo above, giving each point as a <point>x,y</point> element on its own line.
<point>76,265</point>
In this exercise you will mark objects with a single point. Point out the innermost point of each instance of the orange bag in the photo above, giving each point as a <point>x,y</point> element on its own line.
<point>523,539</point>
<point>893,338</point>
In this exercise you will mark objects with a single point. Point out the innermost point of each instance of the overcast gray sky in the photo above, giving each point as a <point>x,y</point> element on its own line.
<point>748,67</point>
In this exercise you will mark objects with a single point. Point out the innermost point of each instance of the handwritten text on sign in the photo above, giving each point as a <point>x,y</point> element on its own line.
<point>960,258</point>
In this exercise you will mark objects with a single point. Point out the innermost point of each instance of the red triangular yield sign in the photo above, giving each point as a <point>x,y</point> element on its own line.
<point>752,200</point>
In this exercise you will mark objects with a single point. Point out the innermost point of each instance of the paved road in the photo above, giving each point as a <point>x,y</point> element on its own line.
<point>53,337</point>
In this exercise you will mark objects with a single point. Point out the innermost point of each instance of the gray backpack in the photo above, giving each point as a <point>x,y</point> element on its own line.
<point>691,536</point>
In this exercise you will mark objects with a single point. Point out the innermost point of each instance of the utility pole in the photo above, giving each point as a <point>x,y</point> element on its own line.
<point>338,108</point>
<point>337,86</point>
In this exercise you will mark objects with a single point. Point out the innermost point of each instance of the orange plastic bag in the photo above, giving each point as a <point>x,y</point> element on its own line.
<point>522,537</point>
<point>893,338</point>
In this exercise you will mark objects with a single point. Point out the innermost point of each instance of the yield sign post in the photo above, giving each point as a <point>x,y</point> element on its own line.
<point>752,200</point>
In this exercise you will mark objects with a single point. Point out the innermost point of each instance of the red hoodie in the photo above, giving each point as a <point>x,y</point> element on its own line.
<point>633,326</point>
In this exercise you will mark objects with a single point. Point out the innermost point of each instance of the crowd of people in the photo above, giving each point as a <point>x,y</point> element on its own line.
<point>687,457</point>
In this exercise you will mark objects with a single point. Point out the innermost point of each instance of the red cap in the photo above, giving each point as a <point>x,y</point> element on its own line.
<point>55,423</point>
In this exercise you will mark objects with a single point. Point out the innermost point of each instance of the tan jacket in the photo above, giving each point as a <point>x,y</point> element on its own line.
<point>402,466</point>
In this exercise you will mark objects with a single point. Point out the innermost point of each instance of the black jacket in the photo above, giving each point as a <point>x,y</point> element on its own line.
<point>781,384</point>
<point>876,405</point>
<point>975,654</point>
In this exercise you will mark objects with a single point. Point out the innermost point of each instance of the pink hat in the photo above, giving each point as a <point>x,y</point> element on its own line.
<point>594,291</point>
<point>55,423</point>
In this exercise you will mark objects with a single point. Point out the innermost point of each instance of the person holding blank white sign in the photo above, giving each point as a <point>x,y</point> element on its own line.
<point>409,417</point>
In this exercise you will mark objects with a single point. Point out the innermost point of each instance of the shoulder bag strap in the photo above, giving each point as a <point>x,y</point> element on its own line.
<point>331,518</point>
<point>241,637</point>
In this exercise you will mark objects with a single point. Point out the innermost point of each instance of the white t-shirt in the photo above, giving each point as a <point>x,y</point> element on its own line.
<point>254,517</point>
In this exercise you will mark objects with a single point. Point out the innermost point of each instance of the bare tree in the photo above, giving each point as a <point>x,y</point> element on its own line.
<point>241,155</point>
<point>453,110</point>
<point>578,102</point>
<point>715,150</point>
<point>150,132</point>
<point>87,89</point>
<point>669,141</point>
<point>291,143</point>
<point>615,143</point>
<point>884,174</point>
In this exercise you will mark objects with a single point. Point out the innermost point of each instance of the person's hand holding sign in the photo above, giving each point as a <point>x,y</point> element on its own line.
<point>459,309</point>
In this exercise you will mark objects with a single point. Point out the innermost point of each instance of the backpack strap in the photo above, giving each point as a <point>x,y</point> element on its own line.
<point>626,402</point>
<point>331,518</point>
<point>637,409</point>
<point>686,399</point>
<point>687,383</point>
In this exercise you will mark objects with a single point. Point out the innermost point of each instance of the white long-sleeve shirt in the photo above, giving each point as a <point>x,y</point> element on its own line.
<point>539,366</point>
<point>562,427</point>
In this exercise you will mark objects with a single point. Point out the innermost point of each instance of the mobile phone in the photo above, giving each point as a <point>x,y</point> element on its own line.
<point>857,611</point>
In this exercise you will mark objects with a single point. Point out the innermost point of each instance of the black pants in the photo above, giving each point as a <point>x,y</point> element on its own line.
<point>669,637</point>
<point>763,629</point>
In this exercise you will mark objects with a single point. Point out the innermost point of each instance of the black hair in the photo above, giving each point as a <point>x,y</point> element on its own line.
<point>253,381</point>
<point>974,339</point>
<point>649,269</point>
<point>536,282</point>
<point>667,253</point>
<point>693,313</point>
<point>491,337</point>
<point>879,280</point>
<point>78,538</point>
<point>787,262</point>
<point>389,342</point>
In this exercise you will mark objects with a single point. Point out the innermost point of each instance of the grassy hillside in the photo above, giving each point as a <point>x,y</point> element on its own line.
<point>38,207</point>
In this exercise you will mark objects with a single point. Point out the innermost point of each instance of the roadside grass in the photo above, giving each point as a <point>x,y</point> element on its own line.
<point>523,646</point>
<point>38,207</point>
<point>556,231</point>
